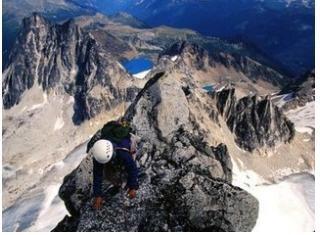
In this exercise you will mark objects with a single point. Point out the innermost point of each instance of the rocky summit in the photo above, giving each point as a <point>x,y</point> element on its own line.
<point>185,184</point>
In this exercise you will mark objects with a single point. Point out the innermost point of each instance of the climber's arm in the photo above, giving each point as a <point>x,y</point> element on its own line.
<point>131,168</point>
<point>97,178</point>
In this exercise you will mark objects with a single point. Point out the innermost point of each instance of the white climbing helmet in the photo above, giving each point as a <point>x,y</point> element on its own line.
<point>102,151</point>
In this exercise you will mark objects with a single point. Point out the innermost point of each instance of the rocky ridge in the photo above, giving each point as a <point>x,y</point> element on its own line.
<point>200,59</point>
<point>256,122</point>
<point>185,183</point>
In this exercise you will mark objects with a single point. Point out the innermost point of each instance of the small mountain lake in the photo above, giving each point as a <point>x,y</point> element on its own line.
<point>208,88</point>
<point>137,65</point>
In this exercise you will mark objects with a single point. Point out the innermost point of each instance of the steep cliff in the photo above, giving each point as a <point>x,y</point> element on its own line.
<point>255,121</point>
<point>65,59</point>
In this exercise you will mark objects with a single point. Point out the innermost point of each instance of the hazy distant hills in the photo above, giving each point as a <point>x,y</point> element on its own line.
<point>281,28</point>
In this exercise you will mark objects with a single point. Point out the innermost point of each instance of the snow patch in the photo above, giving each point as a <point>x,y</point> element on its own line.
<point>142,74</point>
<point>73,72</point>
<point>283,99</point>
<point>220,89</point>
<point>174,58</point>
<point>308,130</point>
<point>59,123</point>
<point>24,108</point>
<point>20,216</point>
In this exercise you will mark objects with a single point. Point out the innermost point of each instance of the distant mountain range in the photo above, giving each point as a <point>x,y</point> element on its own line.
<point>282,29</point>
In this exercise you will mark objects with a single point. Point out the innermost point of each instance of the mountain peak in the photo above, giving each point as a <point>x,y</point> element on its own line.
<point>128,19</point>
<point>74,63</point>
<point>182,47</point>
<point>36,20</point>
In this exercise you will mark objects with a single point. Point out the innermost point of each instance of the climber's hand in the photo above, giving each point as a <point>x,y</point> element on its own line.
<point>132,193</point>
<point>97,203</point>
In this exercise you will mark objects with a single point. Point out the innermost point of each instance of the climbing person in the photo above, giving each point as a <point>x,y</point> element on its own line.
<point>112,149</point>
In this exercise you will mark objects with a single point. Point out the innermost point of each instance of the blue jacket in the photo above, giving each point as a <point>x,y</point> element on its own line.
<point>125,159</point>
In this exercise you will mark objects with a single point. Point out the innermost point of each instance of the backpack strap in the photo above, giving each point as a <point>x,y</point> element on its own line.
<point>125,149</point>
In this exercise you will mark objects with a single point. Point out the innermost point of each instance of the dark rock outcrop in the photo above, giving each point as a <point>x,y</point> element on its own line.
<point>255,121</point>
<point>185,184</point>
<point>66,59</point>
<point>196,54</point>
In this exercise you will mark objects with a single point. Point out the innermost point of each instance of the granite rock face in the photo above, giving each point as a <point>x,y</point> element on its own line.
<point>255,121</point>
<point>65,59</point>
<point>185,184</point>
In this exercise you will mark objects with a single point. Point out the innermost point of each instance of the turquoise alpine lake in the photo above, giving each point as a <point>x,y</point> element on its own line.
<point>137,65</point>
<point>208,88</point>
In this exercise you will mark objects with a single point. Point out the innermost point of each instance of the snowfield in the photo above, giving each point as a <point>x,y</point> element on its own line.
<point>303,117</point>
<point>142,74</point>
<point>286,206</point>
<point>42,209</point>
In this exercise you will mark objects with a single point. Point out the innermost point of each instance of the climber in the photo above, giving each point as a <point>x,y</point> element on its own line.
<point>112,150</point>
